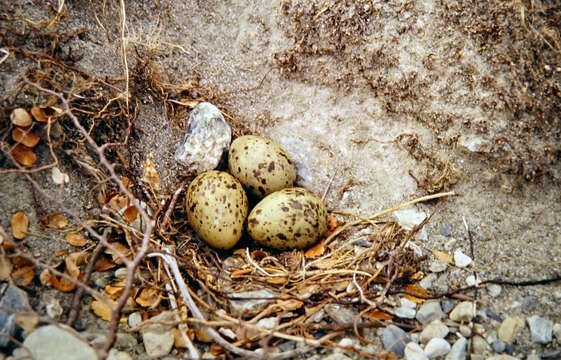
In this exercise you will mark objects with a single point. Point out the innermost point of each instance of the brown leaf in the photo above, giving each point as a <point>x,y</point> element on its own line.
<point>315,251</point>
<point>203,336</point>
<point>45,277</point>
<point>5,268</point>
<point>240,272</point>
<point>23,276</point>
<point>114,291</point>
<point>415,289</point>
<point>72,262</point>
<point>443,257</point>
<point>122,250</point>
<point>178,341</point>
<point>103,264</point>
<point>277,280</point>
<point>27,320</point>
<point>23,155</point>
<point>150,174</point>
<point>54,221</point>
<point>378,315</point>
<point>25,137</point>
<point>62,284</point>
<point>39,114</point>
<point>102,310</point>
<point>216,349</point>
<point>332,223</point>
<point>131,214</point>
<point>20,224</point>
<point>149,297</point>
<point>75,239</point>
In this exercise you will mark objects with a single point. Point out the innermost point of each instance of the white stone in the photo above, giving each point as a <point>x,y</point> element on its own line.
<point>437,266</point>
<point>407,303</point>
<point>460,259</point>
<point>241,305</point>
<point>268,323</point>
<point>494,290</point>
<point>471,280</point>
<point>405,312</point>
<point>437,347</point>
<point>436,329</point>
<point>557,331</point>
<point>58,177</point>
<point>414,352</point>
<point>157,337</point>
<point>208,136</point>
<point>54,342</point>
<point>465,331</point>
<point>464,311</point>
<point>541,329</point>
<point>345,342</point>
<point>450,244</point>
<point>54,309</point>
<point>134,319</point>
<point>115,354</point>
<point>429,311</point>
<point>410,217</point>
<point>458,351</point>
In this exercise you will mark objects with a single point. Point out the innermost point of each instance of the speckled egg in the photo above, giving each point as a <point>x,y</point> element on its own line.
<point>216,208</point>
<point>292,218</point>
<point>261,165</point>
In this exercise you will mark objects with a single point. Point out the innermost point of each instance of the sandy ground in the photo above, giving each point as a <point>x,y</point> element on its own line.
<point>335,84</point>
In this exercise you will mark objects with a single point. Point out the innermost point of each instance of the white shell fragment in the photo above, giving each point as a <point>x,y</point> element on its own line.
<point>461,259</point>
<point>208,136</point>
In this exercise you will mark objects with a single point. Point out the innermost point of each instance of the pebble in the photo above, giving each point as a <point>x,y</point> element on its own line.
<point>407,303</point>
<point>529,303</point>
<point>498,346</point>
<point>493,316</point>
<point>458,350</point>
<point>123,341</point>
<point>465,331</point>
<point>135,319</point>
<point>20,117</point>
<point>53,342</point>
<point>446,230</point>
<point>471,280</point>
<point>345,342</point>
<point>437,347</point>
<point>118,355</point>
<point>437,266</point>
<point>341,315</point>
<point>208,136</point>
<point>494,290</point>
<point>479,345</point>
<point>428,281</point>
<point>557,331</point>
<point>447,305</point>
<point>13,300</point>
<point>436,329</point>
<point>410,217</point>
<point>504,357</point>
<point>158,338</point>
<point>464,311</point>
<point>429,311</point>
<point>54,310</point>
<point>405,312</point>
<point>551,355</point>
<point>394,339</point>
<point>461,260</point>
<point>450,244</point>
<point>541,329</point>
<point>245,305</point>
<point>414,352</point>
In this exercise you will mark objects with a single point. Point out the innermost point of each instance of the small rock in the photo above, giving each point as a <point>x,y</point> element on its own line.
<point>458,350</point>
<point>287,346</point>
<point>479,345</point>
<point>436,329</point>
<point>54,310</point>
<point>53,342</point>
<point>465,331</point>
<point>428,281</point>
<point>493,316</point>
<point>135,319</point>
<point>551,355</point>
<point>345,342</point>
<point>447,305</point>
<point>437,266</point>
<point>464,311</point>
<point>533,357</point>
<point>20,117</point>
<point>494,290</point>
<point>340,314</point>
<point>557,331</point>
<point>503,357</point>
<point>429,311</point>
<point>407,303</point>
<point>541,329</point>
<point>410,217</point>
<point>158,338</point>
<point>246,303</point>
<point>529,303</point>
<point>473,143</point>
<point>446,230</point>
<point>437,347</point>
<point>461,260</point>
<point>450,244</point>
<point>498,346</point>
<point>557,295</point>
<point>123,341</point>
<point>13,300</point>
<point>490,336</point>
<point>471,280</point>
<point>394,339</point>
<point>118,355</point>
<point>405,312</point>
<point>208,136</point>
<point>268,323</point>
<point>414,352</point>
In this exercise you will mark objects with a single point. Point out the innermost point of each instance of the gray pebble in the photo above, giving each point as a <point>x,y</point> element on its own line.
<point>405,312</point>
<point>429,311</point>
<point>529,303</point>
<point>414,352</point>
<point>446,230</point>
<point>492,315</point>
<point>464,311</point>
<point>394,340</point>
<point>494,290</point>
<point>458,350</point>
<point>541,329</point>
<point>479,345</point>
<point>551,355</point>
<point>465,331</point>
<point>436,329</point>
<point>13,300</point>
<point>437,347</point>
<point>447,305</point>
<point>287,345</point>
<point>498,346</point>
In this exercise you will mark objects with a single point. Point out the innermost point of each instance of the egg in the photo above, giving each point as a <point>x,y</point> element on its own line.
<point>216,206</point>
<point>292,218</point>
<point>261,165</point>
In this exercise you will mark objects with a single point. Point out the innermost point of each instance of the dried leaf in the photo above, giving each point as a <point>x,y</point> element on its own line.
<point>419,275</point>
<point>277,280</point>
<point>23,276</point>
<point>240,272</point>
<point>290,305</point>
<point>126,181</point>
<point>378,315</point>
<point>178,341</point>
<point>332,223</point>
<point>23,155</point>
<point>25,137</point>
<point>62,284</point>
<point>315,251</point>
<point>20,224</point>
<point>203,336</point>
<point>54,221</point>
<point>45,277</point>
<point>5,268</point>
<point>443,257</point>
<point>75,239</point>
<point>149,297</point>
<point>150,174</point>
<point>27,320</point>
<point>216,349</point>
<point>415,289</point>
<point>114,291</point>
<point>20,117</point>
<point>122,250</point>
<point>72,262</point>
<point>131,214</point>
<point>103,264</point>
<point>102,310</point>
<point>39,114</point>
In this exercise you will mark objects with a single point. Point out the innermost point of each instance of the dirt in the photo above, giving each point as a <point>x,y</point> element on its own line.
<point>403,98</point>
